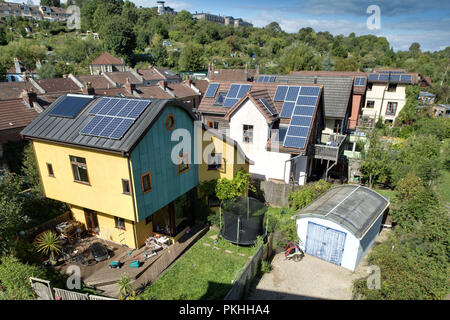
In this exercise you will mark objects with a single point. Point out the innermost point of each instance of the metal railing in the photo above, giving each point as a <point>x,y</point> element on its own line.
<point>332,150</point>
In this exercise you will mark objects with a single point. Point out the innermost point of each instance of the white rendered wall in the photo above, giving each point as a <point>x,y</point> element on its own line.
<point>269,164</point>
<point>351,246</point>
<point>376,95</point>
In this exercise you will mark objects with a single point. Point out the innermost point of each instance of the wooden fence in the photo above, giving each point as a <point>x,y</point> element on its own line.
<point>50,224</point>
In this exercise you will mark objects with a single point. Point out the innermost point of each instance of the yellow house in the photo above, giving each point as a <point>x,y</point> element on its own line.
<point>116,163</point>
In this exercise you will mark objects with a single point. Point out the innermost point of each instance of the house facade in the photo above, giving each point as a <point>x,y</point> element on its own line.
<point>106,63</point>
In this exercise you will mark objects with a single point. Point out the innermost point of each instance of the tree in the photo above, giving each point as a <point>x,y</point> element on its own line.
<point>414,49</point>
<point>3,39</point>
<point>159,55</point>
<point>191,58</point>
<point>273,27</point>
<point>30,170</point>
<point>119,38</point>
<point>48,243</point>
<point>126,290</point>
<point>51,3</point>
<point>238,186</point>
<point>47,71</point>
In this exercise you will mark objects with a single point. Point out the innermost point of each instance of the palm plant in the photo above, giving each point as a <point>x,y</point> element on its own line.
<point>48,243</point>
<point>125,287</point>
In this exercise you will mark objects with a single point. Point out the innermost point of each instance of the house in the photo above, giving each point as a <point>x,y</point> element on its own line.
<point>341,225</point>
<point>18,72</point>
<point>106,63</point>
<point>152,75</point>
<point>126,175</point>
<point>53,13</point>
<point>386,94</point>
<point>278,126</point>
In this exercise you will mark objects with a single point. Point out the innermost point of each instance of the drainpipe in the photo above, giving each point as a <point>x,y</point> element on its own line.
<point>284,171</point>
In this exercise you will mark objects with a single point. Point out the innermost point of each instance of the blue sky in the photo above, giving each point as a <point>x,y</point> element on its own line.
<point>402,21</point>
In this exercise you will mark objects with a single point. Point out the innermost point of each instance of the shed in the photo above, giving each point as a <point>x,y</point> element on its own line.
<point>341,225</point>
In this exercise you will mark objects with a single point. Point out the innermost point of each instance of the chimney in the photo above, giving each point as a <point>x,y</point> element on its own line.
<point>130,87</point>
<point>38,64</point>
<point>315,79</point>
<point>29,96</point>
<point>257,70</point>
<point>246,68</point>
<point>88,89</point>
<point>163,84</point>
<point>188,80</point>
<point>17,65</point>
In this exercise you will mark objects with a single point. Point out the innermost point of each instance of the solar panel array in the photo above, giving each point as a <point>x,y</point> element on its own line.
<point>235,93</point>
<point>113,117</point>
<point>211,91</point>
<point>390,71</point>
<point>299,104</point>
<point>70,106</point>
<point>266,79</point>
<point>396,77</point>
<point>268,107</point>
<point>360,81</point>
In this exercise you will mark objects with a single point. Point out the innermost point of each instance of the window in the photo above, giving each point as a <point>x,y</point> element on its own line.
<point>79,169</point>
<point>391,108</point>
<point>50,170</point>
<point>369,86</point>
<point>120,223</point>
<point>248,133</point>
<point>370,104</point>
<point>183,163</point>
<point>213,124</point>
<point>146,180</point>
<point>126,186</point>
<point>215,161</point>
<point>170,121</point>
<point>392,87</point>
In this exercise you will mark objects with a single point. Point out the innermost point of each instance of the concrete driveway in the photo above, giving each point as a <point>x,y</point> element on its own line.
<point>310,278</point>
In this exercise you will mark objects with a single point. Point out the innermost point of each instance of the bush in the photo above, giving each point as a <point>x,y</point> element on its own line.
<point>302,197</point>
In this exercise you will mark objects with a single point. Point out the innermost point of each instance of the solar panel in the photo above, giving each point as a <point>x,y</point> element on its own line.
<point>230,102</point>
<point>292,94</point>
<point>110,127</point>
<point>406,78</point>
<point>261,79</point>
<point>211,91</point>
<point>243,90</point>
<point>297,131</point>
<point>91,125</point>
<point>280,94</point>
<point>101,126</point>
<point>294,142</point>
<point>115,109</point>
<point>286,111</point>
<point>127,108</point>
<point>383,77</point>
<point>282,133</point>
<point>301,121</point>
<point>233,91</point>
<point>306,101</point>
<point>268,107</point>
<point>373,77</point>
<point>360,81</point>
<point>121,129</point>
<point>395,77</point>
<point>70,106</point>
<point>304,111</point>
<point>309,91</point>
<point>99,105</point>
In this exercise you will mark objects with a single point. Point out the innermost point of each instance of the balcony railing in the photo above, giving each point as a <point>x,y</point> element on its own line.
<point>332,149</point>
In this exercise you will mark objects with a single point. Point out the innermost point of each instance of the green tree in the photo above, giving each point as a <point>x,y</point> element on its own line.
<point>238,186</point>
<point>191,58</point>
<point>119,38</point>
<point>47,71</point>
<point>51,3</point>
<point>49,244</point>
<point>159,55</point>
<point>30,170</point>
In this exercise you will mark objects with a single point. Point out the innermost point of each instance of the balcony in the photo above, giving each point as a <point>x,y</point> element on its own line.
<point>366,122</point>
<point>331,149</point>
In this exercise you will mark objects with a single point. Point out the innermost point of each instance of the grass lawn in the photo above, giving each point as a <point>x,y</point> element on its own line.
<point>444,186</point>
<point>201,273</point>
<point>386,193</point>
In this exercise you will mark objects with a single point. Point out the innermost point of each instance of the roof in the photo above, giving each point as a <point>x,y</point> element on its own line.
<point>57,85</point>
<point>230,74</point>
<point>97,81</point>
<point>67,130</point>
<point>356,208</point>
<point>181,90</point>
<point>426,94</point>
<point>153,92</point>
<point>201,85</point>
<point>13,90</point>
<point>106,58</point>
<point>255,96</point>
<point>167,73</point>
<point>15,114</point>
<point>121,77</point>
<point>336,92</point>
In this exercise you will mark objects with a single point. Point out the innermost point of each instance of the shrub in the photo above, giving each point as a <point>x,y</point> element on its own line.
<point>302,197</point>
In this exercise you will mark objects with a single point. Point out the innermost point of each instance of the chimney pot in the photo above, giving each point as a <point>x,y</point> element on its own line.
<point>29,96</point>
<point>88,89</point>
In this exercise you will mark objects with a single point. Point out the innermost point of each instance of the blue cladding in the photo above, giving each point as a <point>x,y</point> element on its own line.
<point>298,131</point>
<point>286,111</point>
<point>306,101</point>
<point>304,111</point>
<point>230,102</point>
<point>301,121</point>
<point>234,90</point>
<point>292,94</point>
<point>280,94</point>
<point>70,106</point>
<point>294,142</point>
<point>211,91</point>
<point>309,91</point>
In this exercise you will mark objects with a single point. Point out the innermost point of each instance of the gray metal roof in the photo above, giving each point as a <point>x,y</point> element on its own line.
<point>65,130</point>
<point>354,207</point>
<point>336,92</point>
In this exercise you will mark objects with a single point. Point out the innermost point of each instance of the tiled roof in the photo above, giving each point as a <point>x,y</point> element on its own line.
<point>15,114</point>
<point>106,58</point>
<point>97,81</point>
<point>167,73</point>
<point>114,92</point>
<point>58,85</point>
<point>121,77</point>
<point>201,85</point>
<point>12,90</point>
<point>150,74</point>
<point>154,92</point>
<point>181,90</point>
<point>230,74</point>
<point>353,74</point>
<point>255,96</point>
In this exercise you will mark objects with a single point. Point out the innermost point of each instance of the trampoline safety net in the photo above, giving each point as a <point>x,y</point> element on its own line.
<point>243,219</point>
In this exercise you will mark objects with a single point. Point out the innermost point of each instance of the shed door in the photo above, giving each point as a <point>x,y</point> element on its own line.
<point>325,243</point>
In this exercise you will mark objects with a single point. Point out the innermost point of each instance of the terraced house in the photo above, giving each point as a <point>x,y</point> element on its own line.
<point>121,164</point>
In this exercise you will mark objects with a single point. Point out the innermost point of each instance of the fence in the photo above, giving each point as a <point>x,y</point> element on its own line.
<point>44,291</point>
<point>50,224</point>
<point>277,194</point>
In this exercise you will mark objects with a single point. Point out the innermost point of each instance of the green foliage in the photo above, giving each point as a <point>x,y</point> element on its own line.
<point>266,267</point>
<point>159,55</point>
<point>119,37</point>
<point>239,186</point>
<point>14,278</point>
<point>191,58</point>
<point>47,71</point>
<point>409,112</point>
<point>48,243</point>
<point>306,194</point>
<point>51,3</point>
<point>126,291</point>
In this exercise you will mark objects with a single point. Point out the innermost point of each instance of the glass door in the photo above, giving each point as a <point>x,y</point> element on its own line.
<point>91,221</point>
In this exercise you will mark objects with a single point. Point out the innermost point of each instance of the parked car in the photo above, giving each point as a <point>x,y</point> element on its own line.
<point>99,251</point>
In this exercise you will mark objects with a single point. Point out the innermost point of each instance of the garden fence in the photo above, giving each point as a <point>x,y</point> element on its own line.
<point>50,224</point>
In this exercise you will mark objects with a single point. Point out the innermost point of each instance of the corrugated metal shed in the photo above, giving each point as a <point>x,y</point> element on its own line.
<point>354,207</point>
<point>65,130</point>
<point>336,92</point>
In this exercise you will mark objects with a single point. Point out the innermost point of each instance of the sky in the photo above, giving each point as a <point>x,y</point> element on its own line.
<point>402,22</point>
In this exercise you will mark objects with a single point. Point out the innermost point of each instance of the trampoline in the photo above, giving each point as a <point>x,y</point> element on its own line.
<point>243,219</point>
